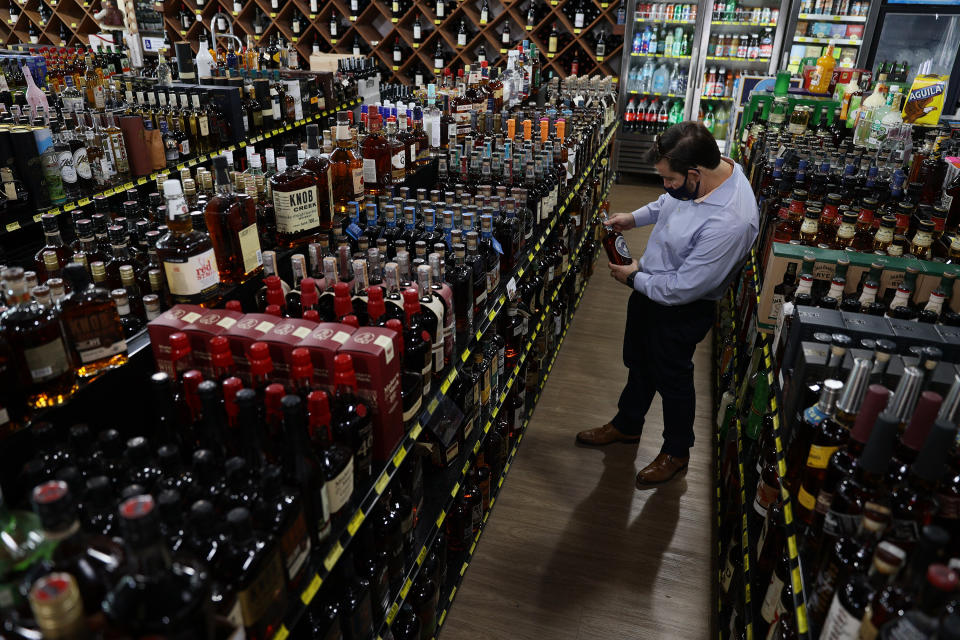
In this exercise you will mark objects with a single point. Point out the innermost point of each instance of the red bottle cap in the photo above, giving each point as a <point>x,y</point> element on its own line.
<point>273,310</point>
<point>343,373</point>
<point>318,408</point>
<point>411,300</point>
<point>397,326</point>
<point>350,320</point>
<point>922,421</point>
<point>230,388</point>
<point>873,403</point>
<point>192,380</point>
<point>274,290</point>
<point>272,396</point>
<point>311,315</point>
<point>258,354</point>
<point>179,345</point>
<point>234,305</point>
<point>300,364</point>
<point>341,300</point>
<point>942,577</point>
<point>220,354</point>
<point>375,306</point>
<point>308,292</point>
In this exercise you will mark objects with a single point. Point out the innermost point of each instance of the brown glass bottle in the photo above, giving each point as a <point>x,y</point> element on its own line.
<point>317,163</point>
<point>810,228</point>
<point>92,325</point>
<point>346,172</point>
<point>296,205</point>
<point>232,224</point>
<point>52,242</point>
<point>189,263</point>
<point>376,152</point>
<point>36,341</point>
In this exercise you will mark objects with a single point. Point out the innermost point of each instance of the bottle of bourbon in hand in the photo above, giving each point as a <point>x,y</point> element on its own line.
<point>616,246</point>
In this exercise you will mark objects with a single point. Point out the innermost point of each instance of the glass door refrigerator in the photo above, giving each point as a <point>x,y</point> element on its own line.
<point>814,24</point>
<point>660,51</point>
<point>738,41</point>
<point>911,37</point>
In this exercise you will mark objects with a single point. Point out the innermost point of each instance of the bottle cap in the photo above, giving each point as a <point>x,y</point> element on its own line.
<point>238,521</point>
<point>411,300</point>
<point>273,310</point>
<point>856,386</point>
<point>318,407</point>
<point>301,366</point>
<point>53,504</point>
<point>936,448</point>
<point>191,381</point>
<point>168,459</point>
<point>873,403</point>
<point>308,292</point>
<point>905,396</point>
<point>922,420</point>
<point>272,396</point>
<point>172,188</point>
<point>396,326</point>
<point>203,517</point>
<point>375,305</point>
<point>220,354</point>
<point>879,448</point>
<point>76,274</point>
<point>179,345</point>
<point>138,450</point>
<point>231,387</point>
<point>258,354</point>
<point>343,373</point>
<point>138,520</point>
<point>57,606</point>
<point>290,155</point>
<point>942,577</point>
<point>350,320</point>
<point>311,315</point>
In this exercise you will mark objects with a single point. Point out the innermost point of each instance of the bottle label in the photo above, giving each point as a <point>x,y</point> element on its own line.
<point>398,164</point>
<point>295,545</point>
<point>809,226</point>
<point>884,234</point>
<point>824,499</point>
<point>82,164</point>
<point>411,413</point>
<point>297,210</point>
<point>765,497</point>
<point>805,499</point>
<point>47,361</point>
<point>836,290</point>
<point>846,230</point>
<point>922,239</point>
<point>621,246</point>
<point>96,335</point>
<point>900,299</point>
<point>68,172</point>
<point>195,275</point>
<point>840,524</point>
<point>339,489</point>
<point>771,600</point>
<point>260,595</point>
<point>840,623</point>
<point>727,576</point>
<point>775,307</point>
<point>250,248</point>
<point>819,457</point>
<point>358,178</point>
<point>867,629</point>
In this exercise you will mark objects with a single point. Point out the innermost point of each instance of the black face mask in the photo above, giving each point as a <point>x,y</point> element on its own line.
<point>683,192</point>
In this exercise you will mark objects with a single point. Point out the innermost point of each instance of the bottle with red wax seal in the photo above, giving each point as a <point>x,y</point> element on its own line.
<point>342,304</point>
<point>351,422</point>
<point>221,358</point>
<point>156,595</point>
<point>417,342</point>
<point>181,355</point>
<point>274,293</point>
<point>411,381</point>
<point>308,295</point>
<point>337,460</point>
<point>273,421</point>
<point>301,372</point>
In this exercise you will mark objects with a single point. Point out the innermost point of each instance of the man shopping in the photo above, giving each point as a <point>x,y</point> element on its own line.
<point>704,227</point>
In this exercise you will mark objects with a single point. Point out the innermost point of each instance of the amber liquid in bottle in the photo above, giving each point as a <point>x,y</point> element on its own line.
<point>377,157</point>
<point>296,207</point>
<point>36,341</point>
<point>232,224</point>
<point>189,262</point>
<point>92,325</point>
<point>346,173</point>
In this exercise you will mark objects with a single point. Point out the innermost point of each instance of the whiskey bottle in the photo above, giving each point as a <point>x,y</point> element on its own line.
<point>346,172</point>
<point>616,247</point>
<point>460,279</point>
<point>337,460</point>
<point>351,423</point>
<point>296,202</point>
<point>417,339</point>
<point>432,314</point>
<point>318,163</point>
<point>188,258</point>
<point>232,225</point>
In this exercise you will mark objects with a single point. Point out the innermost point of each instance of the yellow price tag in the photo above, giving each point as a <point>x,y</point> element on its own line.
<point>406,588</point>
<point>331,560</point>
<point>13,226</point>
<point>37,216</point>
<point>282,633</point>
<point>441,518</point>
<point>433,405</point>
<point>381,484</point>
<point>82,202</point>
<point>399,456</point>
<point>417,428</point>
<point>355,522</point>
<point>311,589</point>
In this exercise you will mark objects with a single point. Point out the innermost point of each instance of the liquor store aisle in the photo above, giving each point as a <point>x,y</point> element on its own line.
<point>572,551</point>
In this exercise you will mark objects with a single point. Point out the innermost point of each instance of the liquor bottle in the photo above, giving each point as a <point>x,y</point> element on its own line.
<point>616,247</point>
<point>188,258</point>
<point>810,419</point>
<point>418,342</point>
<point>351,420</point>
<point>377,156</point>
<point>432,315</point>
<point>37,343</point>
<point>232,224</point>
<point>923,618</point>
<point>155,594</point>
<point>91,324</point>
<point>304,470</point>
<point>346,172</point>
<point>296,202</point>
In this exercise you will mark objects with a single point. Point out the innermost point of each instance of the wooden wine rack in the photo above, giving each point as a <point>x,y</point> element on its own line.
<point>375,29</point>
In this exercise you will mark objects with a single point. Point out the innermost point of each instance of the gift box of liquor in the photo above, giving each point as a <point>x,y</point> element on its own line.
<point>323,342</point>
<point>252,327</point>
<point>282,339</point>
<point>177,318</point>
<point>377,365</point>
<point>213,322</point>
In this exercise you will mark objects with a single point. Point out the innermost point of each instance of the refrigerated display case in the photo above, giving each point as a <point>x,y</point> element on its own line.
<point>814,24</point>
<point>683,62</point>
<point>912,37</point>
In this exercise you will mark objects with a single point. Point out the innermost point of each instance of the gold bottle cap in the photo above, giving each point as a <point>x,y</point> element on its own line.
<point>30,277</point>
<point>126,275</point>
<point>185,175</point>
<point>41,294</point>
<point>207,181</point>
<point>99,271</point>
<point>80,258</point>
<point>57,288</point>
<point>189,186</point>
<point>57,606</point>
<point>122,301</point>
<point>50,261</point>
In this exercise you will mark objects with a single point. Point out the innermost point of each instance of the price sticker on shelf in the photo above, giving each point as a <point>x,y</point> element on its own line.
<point>399,456</point>
<point>576,32</point>
<point>441,518</point>
<point>307,596</point>
<point>406,588</point>
<point>13,226</point>
<point>355,522</point>
<point>38,216</point>
<point>282,633</point>
<point>331,560</point>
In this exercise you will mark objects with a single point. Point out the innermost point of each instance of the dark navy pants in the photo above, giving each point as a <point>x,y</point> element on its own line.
<point>658,346</point>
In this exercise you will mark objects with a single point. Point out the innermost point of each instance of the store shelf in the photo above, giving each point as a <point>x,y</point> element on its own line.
<point>658,55</point>
<point>343,538</point>
<point>717,99</point>
<point>473,447</point>
<point>658,21</point>
<point>654,93</point>
<point>736,59</point>
<point>27,219</point>
<point>813,40</point>
<point>722,23</point>
<point>830,18</point>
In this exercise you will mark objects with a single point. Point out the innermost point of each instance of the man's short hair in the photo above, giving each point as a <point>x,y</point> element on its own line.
<point>685,145</point>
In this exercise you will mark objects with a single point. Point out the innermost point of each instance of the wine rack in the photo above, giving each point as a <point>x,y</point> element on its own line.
<point>375,28</point>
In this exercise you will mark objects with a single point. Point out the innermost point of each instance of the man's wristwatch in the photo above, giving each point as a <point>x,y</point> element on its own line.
<point>631,278</point>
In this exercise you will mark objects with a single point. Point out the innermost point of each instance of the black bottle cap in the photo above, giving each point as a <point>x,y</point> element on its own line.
<point>313,136</point>
<point>292,407</point>
<point>203,517</point>
<point>139,521</point>
<point>205,464</point>
<point>271,481</point>
<point>53,504</point>
<point>99,491</point>
<point>84,228</point>
<point>132,490</point>
<point>49,223</point>
<point>80,437</point>
<point>74,479</point>
<point>238,521</point>
<point>290,155</point>
<point>235,470</point>
<point>110,440</point>
<point>138,450</point>
<point>76,274</point>
<point>168,506</point>
<point>879,448</point>
<point>933,456</point>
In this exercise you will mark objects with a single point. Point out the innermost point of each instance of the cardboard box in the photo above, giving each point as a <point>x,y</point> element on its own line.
<point>252,327</point>
<point>213,322</point>
<point>177,318</point>
<point>377,366</point>
<point>323,343</point>
<point>282,339</point>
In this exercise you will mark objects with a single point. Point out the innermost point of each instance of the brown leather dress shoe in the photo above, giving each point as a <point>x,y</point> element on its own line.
<point>663,469</point>
<point>607,434</point>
